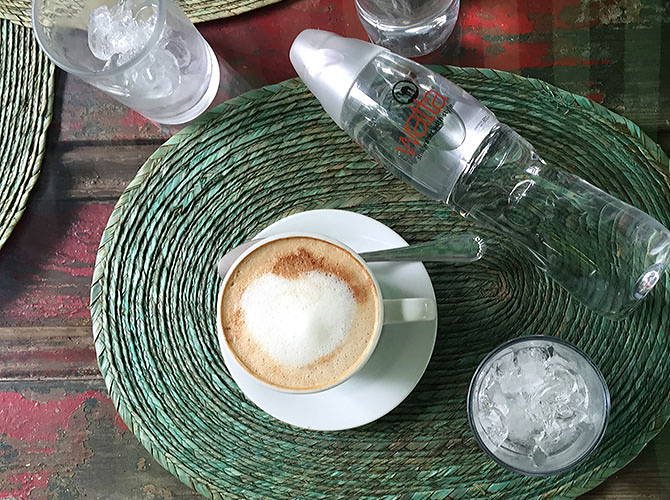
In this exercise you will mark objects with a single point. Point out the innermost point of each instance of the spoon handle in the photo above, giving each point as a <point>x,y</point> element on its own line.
<point>459,248</point>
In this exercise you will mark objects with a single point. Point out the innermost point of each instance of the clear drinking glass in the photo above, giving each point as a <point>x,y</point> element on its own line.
<point>538,405</point>
<point>410,28</point>
<point>144,53</point>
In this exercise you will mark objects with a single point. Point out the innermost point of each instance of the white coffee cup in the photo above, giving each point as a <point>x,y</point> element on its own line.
<point>391,311</point>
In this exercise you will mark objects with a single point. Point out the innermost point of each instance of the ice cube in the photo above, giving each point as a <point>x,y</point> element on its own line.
<point>117,31</point>
<point>493,423</point>
<point>158,77</point>
<point>498,399</point>
<point>531,355</point>
<point>557,437</point>
<point>507,373</point>
<point>565,377</point>
<point>531,362</point>
<point>492,397</point>
<point>177,47</point>
<point>523,426</point>
<point>100,39</point>
<point>145,15</point>
<point>540,400</point>
<point>539,456</point>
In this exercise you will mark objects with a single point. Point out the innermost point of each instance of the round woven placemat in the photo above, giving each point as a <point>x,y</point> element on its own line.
<point>26,91</point>
<point>18,11</point>
<point>273,152</point>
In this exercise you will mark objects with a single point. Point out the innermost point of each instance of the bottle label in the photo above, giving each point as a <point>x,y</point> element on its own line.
<point>420,125</point>
<point>415,122</point>
<point>426,117</point>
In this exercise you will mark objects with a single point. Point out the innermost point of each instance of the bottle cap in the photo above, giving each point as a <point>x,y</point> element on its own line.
<point>329,65</point>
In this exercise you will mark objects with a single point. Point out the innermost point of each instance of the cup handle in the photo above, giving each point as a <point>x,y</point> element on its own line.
<point>409,310</point>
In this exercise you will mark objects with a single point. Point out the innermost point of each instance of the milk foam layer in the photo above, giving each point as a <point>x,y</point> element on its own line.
<point>300,313</point>
<point>297,321</point>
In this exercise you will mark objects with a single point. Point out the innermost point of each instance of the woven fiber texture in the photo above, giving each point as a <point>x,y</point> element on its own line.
<point>18,11</point>
<point>26,91</point>
<point>273,152</point>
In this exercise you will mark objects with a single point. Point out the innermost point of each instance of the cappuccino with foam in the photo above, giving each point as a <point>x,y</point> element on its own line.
<point>300,313</point>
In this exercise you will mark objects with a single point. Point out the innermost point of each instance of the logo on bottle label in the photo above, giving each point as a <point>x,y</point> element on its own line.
<point>405,91</point>
<point>420,124</point>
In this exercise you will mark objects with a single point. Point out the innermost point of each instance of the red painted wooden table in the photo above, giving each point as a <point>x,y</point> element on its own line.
<point>59,434</point>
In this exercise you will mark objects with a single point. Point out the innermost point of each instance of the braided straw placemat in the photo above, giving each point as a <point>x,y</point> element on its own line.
<point>18,11</point>
<point>273,152</point>
<point>27,88</point>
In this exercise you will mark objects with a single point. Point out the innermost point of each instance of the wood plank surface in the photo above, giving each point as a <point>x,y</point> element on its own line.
<point>59,434</point>
<point>645,478</point>
<point>63,440</point>
<point>47,353</point>
<point>609,50</point>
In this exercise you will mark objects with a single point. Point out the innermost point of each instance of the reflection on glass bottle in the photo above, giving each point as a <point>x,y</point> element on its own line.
<point>608,254</point>
<point>442,141</point>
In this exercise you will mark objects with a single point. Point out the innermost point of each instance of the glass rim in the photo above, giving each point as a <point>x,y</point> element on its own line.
<point>587,452</point>
<point>151,42</point>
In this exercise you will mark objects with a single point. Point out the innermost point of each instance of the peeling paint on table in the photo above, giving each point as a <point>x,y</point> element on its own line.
<point>65,440</point>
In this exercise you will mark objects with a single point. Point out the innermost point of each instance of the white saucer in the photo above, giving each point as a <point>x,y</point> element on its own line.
<point>401,356</point>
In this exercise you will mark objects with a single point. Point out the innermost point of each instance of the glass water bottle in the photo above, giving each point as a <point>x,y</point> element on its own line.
<point>446,144</point>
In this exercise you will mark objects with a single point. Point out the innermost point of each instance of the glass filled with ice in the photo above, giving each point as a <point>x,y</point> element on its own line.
<point>538,405</point>
<point>145,53</point>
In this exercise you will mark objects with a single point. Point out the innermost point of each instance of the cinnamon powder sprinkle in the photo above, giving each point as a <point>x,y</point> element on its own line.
<point>291,265</point>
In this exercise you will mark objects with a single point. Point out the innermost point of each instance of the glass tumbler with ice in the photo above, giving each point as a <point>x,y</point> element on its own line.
<point>538,405</point>
<point>144,53</point>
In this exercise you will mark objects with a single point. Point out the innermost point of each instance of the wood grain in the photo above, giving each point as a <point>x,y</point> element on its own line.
<point>47,353</point>
<point>608,50</point>
<point>46,267</point>
<point>91,172</point>
<point>645,477</point>
<point>64,440</point>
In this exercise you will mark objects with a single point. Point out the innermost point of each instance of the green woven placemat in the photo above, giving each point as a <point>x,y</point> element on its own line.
<point>18,11</point>
<point>273,152</point>
<point>26,88</point>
